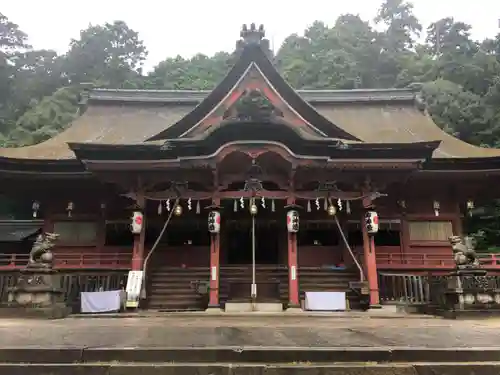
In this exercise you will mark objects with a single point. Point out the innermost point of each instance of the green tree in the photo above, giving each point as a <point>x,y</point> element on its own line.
<point>402,27</point>
<point>112,54</point>
<point>198,73</point>
<point>12,40</point>
<point>46,118</point>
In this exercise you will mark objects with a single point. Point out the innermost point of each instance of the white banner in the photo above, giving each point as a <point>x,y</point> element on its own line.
<point>100,302</point>
<point>133,289</point>
<point>326,301</point>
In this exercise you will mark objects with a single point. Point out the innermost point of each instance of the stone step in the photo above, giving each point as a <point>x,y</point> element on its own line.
<point>170,287</point>
<point>252,369</point>
<point>251,354</point>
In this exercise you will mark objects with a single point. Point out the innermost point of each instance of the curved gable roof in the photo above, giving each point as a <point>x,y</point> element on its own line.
<point>231,88</point>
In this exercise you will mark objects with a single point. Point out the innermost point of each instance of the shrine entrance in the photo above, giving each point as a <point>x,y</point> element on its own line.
<point>238,244</point>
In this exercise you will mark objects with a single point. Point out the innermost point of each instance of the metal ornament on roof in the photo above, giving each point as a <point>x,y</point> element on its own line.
<point>253,182</point>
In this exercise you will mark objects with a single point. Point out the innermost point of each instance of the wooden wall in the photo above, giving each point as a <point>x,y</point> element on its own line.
<point>417,237</point>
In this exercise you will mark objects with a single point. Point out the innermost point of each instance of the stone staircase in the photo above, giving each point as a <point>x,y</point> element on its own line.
<point>235,273</point>
<point>173,289</point>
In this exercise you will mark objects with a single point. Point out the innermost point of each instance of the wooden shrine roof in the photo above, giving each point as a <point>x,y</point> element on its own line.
<point>381,120</point>
<point>134,117</point>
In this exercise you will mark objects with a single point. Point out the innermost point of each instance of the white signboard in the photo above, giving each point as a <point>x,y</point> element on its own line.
<point>133,289</point>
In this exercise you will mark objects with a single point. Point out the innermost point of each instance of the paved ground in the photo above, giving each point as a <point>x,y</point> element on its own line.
<point>250,331</point>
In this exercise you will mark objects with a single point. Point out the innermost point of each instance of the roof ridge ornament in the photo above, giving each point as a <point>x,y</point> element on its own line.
<point>253,36</point>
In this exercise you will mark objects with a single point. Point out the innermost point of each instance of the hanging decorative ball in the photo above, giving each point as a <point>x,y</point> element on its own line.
<point>331,210</point>
<point>178,210</point>
<point>253,209</point>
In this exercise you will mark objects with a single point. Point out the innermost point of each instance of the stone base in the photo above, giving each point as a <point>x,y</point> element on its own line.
<point>58,311</point>
<point>240,307</point>
<point>213,310</point>
<point>37,294</point>
<point>294,310</point>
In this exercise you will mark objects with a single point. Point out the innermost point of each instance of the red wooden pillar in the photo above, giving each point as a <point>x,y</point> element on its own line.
<point>138,249</point>
<point>293,278</point>
<point>370,263</point>
<point>214,267</point>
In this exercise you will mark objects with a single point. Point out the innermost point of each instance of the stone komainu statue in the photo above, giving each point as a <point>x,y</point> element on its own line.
<point>40,254</point>
<point>463,252</point>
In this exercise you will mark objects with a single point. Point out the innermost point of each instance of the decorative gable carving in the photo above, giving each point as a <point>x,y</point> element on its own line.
<point>252,105</point>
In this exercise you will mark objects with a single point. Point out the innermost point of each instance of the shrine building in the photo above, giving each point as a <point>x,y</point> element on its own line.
<point>238,161</point>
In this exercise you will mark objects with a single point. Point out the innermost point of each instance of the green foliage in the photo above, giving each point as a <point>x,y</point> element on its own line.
<point>111,53</point>
<point>46,118</point>
<point>198,73</point>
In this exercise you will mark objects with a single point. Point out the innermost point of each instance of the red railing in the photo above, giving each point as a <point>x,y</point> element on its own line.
<point>422,260</point>
<point>108,260</point>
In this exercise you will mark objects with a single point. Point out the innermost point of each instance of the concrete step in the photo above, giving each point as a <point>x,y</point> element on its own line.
<point>458,368</point>
<point>250,355</point>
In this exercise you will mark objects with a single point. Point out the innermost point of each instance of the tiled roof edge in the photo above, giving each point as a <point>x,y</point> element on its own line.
<point>196,96</point>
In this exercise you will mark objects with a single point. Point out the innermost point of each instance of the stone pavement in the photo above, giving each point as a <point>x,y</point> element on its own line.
<point>278,331</point>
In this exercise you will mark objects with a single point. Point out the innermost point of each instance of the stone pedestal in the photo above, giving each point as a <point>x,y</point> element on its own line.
<point>469,291</point>
<point>37,293</point>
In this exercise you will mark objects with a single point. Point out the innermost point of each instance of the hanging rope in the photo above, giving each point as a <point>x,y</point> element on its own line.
<point>346,243</point>
<point>146,260</point>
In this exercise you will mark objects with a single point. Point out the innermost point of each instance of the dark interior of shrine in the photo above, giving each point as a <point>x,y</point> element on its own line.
<point>238,244</point>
